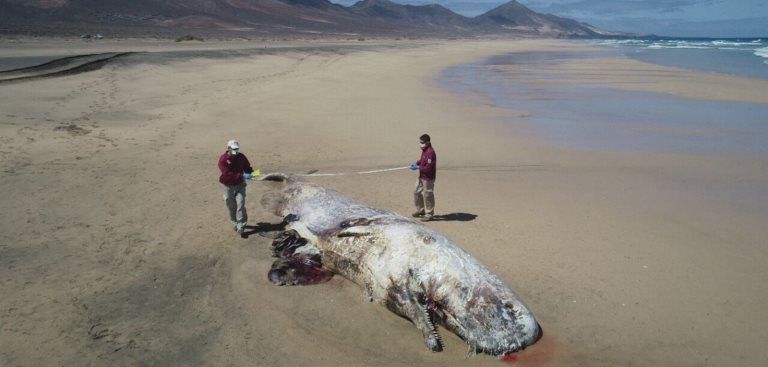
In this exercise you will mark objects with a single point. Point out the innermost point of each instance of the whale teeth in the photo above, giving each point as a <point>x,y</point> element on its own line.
<point>432,327</point>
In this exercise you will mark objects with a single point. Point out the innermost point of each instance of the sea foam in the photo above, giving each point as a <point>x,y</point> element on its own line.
<point>762,52</point>
<point>738,56</point>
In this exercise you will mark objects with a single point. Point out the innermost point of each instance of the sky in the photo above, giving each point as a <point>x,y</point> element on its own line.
<point>683,18</point>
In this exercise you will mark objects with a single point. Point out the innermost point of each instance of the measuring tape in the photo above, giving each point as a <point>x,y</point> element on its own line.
<point>351,173</point>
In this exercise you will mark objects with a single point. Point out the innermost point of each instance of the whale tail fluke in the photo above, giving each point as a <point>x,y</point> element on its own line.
<point>273,202</point>
<point>276,177</point>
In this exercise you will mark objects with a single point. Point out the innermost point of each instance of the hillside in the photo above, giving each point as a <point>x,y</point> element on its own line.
<point>514,16</point>
<point>273,17</point>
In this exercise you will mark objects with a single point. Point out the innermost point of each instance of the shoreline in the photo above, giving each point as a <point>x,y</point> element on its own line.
<point>618,255</point>
<point>584,111</point>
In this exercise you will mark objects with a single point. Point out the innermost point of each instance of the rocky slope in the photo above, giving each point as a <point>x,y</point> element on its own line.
<point>270,17</point>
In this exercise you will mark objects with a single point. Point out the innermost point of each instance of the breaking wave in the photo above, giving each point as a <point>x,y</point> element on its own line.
<point>757,46</point>
<point>762,52</point>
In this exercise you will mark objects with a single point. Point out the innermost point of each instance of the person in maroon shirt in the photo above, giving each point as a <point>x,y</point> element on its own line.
<point>424,195</point>
<point>235,169</point>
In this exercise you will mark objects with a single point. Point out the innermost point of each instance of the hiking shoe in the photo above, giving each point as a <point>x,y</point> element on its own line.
<point>418,214</point>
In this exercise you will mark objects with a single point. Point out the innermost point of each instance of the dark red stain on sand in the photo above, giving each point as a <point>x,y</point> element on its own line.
<point>540,354</point>
<point>509,358</point>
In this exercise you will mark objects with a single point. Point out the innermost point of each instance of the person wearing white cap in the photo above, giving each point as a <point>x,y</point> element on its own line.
<point>235,169</point>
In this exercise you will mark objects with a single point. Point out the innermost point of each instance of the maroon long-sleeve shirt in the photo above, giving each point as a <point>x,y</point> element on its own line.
<point>427,164</point>
<point>232,168</point>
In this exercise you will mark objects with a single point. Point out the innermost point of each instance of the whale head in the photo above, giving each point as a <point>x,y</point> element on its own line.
<point>493,321</point>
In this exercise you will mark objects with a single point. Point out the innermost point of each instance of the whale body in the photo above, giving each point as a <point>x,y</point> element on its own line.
<point>400,263</point>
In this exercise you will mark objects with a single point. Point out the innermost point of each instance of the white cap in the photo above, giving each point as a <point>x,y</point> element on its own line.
<point>233,144</point>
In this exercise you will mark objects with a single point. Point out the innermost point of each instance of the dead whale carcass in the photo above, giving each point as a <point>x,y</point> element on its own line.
<point>406,266</point>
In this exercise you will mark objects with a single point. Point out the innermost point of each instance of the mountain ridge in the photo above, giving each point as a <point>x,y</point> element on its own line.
<point>275,17</point>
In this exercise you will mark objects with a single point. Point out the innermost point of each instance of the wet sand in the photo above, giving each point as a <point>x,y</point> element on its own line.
<point>582,111</point>
<point>115,248</point>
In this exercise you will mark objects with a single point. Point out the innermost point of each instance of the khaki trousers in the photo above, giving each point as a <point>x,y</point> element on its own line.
<point>234,196</point>
<point>424,196</point>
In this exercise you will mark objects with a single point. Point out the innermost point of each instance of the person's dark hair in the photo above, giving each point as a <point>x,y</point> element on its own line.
<point>425,138</point>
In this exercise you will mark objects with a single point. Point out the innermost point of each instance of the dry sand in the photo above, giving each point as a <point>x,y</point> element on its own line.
<point>115,248</point>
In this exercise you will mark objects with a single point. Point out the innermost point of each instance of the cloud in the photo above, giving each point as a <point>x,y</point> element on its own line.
<point>471,8</point>
<point>464,7</point>
<point>468,8</point>
<point>614,7</point>
<point>704,18</point>
<point>745,27</point>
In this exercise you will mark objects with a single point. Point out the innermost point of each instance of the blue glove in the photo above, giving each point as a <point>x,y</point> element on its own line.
<point>414,166</point>
<point>247,176</point>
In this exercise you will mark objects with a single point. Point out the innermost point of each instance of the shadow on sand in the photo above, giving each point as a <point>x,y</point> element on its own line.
<point>264,229</point>
<point>454,217</point>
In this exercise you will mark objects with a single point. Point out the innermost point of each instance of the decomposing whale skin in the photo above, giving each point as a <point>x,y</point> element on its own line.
<point>404,265</point>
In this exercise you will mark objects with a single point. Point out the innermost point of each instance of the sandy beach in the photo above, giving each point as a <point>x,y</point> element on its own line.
<point>115,248</point>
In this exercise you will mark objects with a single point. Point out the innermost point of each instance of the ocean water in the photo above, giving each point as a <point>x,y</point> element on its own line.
<point>742,57</point>
<point>607,118</point>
